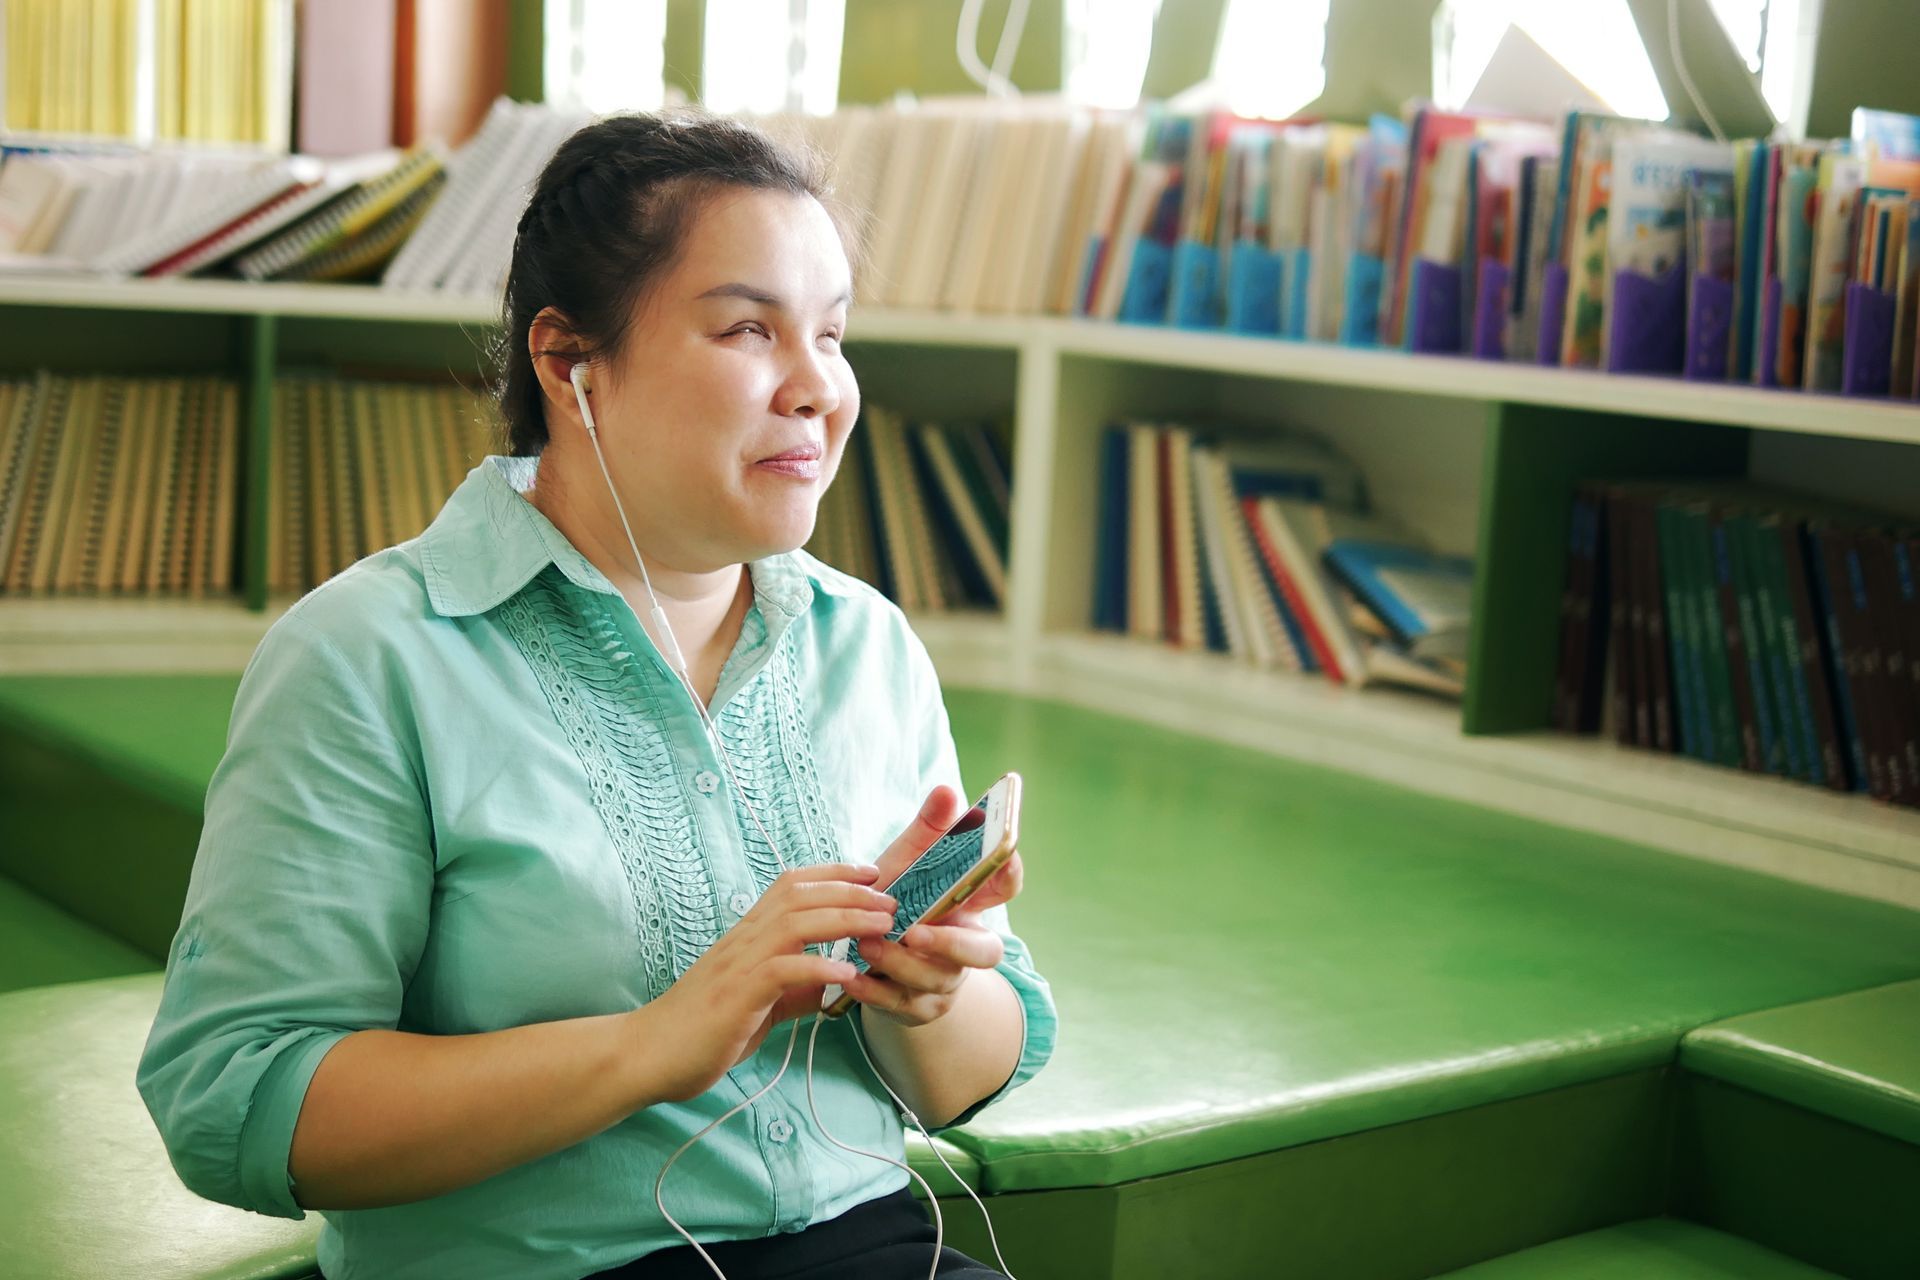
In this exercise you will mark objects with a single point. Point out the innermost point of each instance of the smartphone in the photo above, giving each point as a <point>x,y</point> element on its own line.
<point>980,842</point>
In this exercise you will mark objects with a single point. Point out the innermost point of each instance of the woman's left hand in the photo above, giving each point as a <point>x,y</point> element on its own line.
<point>918,979</point>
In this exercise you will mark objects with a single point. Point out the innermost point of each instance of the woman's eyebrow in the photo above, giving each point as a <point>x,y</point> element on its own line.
<point>762,297</point>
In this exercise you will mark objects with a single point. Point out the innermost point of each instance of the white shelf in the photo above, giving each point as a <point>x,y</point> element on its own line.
<point>1324,364</point>
<point>1842,842</point>
<point>240,297</point>
<point>1846,843</point>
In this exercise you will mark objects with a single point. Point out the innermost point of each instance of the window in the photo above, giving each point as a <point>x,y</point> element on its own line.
<point>765,56</point>
<point>1595,40</point>
<point>1107,42</point>
<point>1270,58</point>
<point>606,55</point>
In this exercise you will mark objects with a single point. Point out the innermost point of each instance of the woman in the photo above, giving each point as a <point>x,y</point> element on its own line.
<point>480,928</point>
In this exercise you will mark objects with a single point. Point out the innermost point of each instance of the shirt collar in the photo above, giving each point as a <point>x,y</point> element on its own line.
<point>489,541</point>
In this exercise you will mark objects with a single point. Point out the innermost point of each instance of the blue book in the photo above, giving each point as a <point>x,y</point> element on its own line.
<point>1420,596</point>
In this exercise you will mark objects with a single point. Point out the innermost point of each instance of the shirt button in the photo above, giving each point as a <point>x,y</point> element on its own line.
<point>779,1131</point>
<point>740,903</point>
<point>706,782</point>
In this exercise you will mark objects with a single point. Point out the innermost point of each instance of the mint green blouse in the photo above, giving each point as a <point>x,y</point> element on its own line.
<point>463,792</point>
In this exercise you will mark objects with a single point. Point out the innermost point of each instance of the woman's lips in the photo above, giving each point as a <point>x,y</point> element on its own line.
<point>802,463</point>
<point>795,465</point>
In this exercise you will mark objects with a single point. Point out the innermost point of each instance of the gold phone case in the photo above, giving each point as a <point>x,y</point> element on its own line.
<point>969,884</point>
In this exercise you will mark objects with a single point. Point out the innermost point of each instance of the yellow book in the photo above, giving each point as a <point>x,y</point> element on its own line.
<point>276,495</point>
<point>452,435</point>
<point>369,498</point>
<point>166,68</point>
<point>226,491</point>
<point>205,465</point>
<point>423,409</point>
<point>125,466</point>
<point>86,517</point>
<point>183,533</point>
<point>402,469</point>
<point>163,400</point>
<point>183,511</point>
<point>322,553</point>
<point>60,481</point>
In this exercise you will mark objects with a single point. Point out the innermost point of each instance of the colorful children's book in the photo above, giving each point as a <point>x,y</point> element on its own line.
<point>1838,186</point>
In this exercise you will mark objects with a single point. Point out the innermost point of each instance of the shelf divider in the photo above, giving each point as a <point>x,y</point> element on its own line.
<point>1534,456</point>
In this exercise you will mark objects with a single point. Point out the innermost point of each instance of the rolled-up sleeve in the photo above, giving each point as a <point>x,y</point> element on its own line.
<point>940,763</point>
<point>305,916</point>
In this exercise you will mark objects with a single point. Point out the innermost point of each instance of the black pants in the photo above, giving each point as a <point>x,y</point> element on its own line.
<point>886,1239</point>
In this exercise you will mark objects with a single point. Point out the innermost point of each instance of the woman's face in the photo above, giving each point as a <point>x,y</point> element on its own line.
<point>731,402</point>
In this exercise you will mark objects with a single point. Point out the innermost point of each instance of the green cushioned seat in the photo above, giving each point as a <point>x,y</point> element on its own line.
<point>86,1191</point>
<point>1251,954</point>
<point>1653,1249</point>
<point>162,733</point>
<point>42,944</point>
<point>1253,957</point>
<point>102,779</point>
<point>1855,1057</point>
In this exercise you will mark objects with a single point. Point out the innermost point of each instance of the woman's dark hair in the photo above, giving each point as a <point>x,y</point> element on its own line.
<point>607,218</point>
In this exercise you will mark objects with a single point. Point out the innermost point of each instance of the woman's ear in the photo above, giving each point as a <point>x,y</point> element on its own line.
<point>553,348</point>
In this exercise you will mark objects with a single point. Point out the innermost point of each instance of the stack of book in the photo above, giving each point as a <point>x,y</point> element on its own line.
<point>362,465</point>
<point>1264,549</point>
<point>118,485</point>
<point>465,243</point>
<point>184,213</point>
<point>1745,627</point>
<point>920,511</point>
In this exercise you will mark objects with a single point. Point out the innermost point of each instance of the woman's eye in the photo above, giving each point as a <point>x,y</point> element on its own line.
<point>752,328</point>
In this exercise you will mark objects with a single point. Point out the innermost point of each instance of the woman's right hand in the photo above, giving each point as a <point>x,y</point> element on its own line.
<point>758,974</point>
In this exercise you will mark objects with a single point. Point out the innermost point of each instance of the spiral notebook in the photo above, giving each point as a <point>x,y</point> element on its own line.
<point>341,220</point>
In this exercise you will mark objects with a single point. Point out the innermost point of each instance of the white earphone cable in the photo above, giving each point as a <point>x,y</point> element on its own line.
<point>670,649</point>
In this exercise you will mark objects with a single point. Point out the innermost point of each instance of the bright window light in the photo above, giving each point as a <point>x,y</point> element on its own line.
<point>1595,40</point>
<point>1270,60</point>
<point>1107,46</point>
<point>606,55</point>
<point>766,56</point>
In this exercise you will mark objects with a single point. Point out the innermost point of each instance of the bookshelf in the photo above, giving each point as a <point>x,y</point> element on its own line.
<point>1480,457</point>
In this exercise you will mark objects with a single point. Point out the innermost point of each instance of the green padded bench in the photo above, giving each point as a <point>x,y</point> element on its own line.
<point>1801,1129</point>
<point>1652,1249</point>
<point>42,944</point>
<point>86,1191</point>
<point>1305,1017</point>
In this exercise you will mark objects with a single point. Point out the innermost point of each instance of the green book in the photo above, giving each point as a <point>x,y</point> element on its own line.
<point>1717,673</point>
<point>1683,633</point>
<point>1780,747</point>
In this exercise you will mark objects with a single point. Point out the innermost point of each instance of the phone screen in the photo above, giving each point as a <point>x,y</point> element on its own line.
<point>934,872</point>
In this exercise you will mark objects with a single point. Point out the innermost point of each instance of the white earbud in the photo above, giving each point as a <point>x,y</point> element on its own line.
<point>578,376</point>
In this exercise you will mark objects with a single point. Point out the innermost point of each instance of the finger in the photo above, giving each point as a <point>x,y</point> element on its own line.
<point>798,1002</point>
<point>911,969</point>
<point>1003,887</point>
<point>802,969</point>
<point>969,946</point>
<point>886,995</point>
<point>809,894</point>
<point>854,872</point>
<point>830,924</point>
